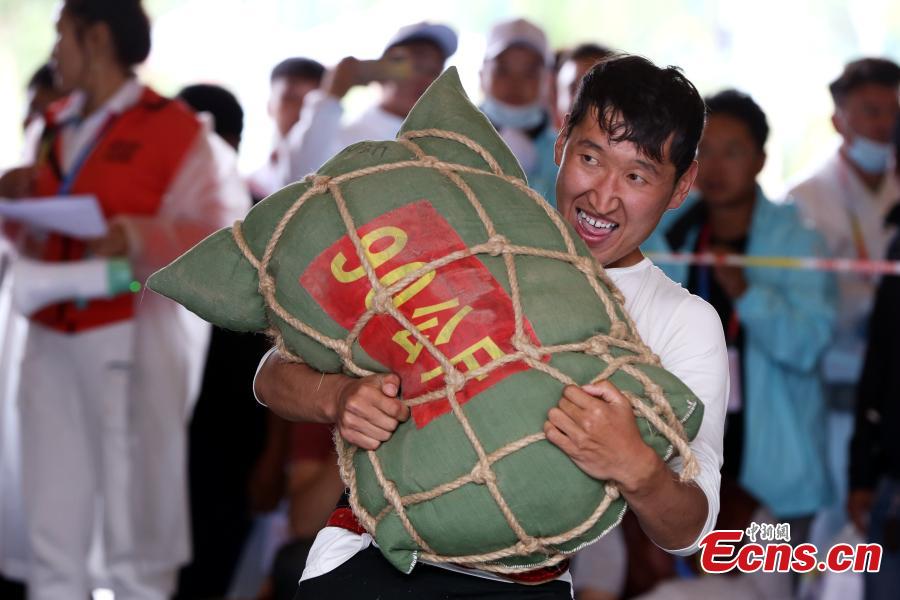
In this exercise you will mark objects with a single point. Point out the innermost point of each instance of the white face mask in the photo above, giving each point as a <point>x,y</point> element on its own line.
<point>516,117</point>
<point>869,155</point>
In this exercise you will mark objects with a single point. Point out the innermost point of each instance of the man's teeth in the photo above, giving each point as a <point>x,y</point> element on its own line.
<point>598,223</point>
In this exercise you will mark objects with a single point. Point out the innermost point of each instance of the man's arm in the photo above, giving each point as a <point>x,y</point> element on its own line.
<point>595,426</point>
<point>691,347</point>
<point>366,411</point>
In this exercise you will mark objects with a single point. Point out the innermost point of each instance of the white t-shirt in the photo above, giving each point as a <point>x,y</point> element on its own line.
<point>686,333</point>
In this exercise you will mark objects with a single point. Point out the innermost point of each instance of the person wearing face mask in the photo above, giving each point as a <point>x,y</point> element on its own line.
<point>411,61</point>
<point>847,199</point>
<point>515,79</point>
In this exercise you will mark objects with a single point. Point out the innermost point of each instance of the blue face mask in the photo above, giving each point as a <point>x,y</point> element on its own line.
<point>870,156</point>
<point>516,117</point>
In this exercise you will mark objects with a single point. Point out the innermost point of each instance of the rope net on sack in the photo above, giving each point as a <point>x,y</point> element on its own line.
<point>622,334</point>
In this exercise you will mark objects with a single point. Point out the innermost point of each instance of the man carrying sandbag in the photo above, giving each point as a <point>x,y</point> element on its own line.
<point>624,160</point>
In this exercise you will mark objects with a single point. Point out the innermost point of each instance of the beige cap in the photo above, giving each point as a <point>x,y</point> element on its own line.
<point>518,32</point>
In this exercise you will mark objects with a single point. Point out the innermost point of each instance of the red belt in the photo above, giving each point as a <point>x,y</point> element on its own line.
<point>345,519</point>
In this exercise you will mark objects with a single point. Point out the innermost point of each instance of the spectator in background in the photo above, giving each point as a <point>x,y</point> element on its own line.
<point>874,501</point>
<point>847,199</point>
<point>42,91</point>
<point>778,323</point>
<point>558,56</point>
<point>411,61</point>
<point>572,67</point>
<point>515,79</point>
<point>228,430</point>
<point>221,105</point>
<point>107,384</point>
<point>291,80</point>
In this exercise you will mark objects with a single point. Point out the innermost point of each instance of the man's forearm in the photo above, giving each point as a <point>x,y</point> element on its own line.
<point>296,392</point>
<point>671,512</point>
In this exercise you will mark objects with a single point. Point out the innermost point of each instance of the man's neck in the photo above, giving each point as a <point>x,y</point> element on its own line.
<point>104,87</point>
<point>872,181</point>
<point>629,260</point>
<point>732,221</point>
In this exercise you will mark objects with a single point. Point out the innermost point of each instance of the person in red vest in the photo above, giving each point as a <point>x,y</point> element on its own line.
<point>107,384</point>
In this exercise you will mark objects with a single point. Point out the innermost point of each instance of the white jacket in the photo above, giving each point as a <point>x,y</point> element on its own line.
<point>827,198</point>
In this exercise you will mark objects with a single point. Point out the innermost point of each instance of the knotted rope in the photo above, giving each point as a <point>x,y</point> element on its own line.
<point>622,334</point>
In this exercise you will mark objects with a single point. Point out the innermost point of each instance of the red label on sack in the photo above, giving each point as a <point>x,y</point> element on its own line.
<point>461,308</point>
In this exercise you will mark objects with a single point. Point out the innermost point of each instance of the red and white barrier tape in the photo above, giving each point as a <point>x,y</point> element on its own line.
<point>808,263</point>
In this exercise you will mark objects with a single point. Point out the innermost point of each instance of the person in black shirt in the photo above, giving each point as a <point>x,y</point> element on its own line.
<point>874,501</point>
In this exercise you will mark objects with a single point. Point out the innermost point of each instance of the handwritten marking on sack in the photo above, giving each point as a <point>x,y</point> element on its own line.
<point>461,308</point>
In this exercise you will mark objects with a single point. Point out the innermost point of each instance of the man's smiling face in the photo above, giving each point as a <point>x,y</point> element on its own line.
<point>611,193</point>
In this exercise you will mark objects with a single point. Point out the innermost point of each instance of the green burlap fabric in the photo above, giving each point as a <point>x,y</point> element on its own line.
<point>429,257</point>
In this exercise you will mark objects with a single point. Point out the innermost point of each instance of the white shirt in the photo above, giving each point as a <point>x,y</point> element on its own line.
<point>827,198</point>
<point>319,134</point>
<point>686,333</point>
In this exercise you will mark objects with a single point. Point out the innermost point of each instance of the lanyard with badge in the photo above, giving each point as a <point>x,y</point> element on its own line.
<point>732,329</point>
<point>856,232</point>
<point>68,179</point>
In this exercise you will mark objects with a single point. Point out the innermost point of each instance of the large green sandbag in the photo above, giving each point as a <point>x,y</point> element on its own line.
<point>515,309</point>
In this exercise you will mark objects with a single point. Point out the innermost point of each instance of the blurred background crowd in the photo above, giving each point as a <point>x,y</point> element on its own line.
<point>109,407</point>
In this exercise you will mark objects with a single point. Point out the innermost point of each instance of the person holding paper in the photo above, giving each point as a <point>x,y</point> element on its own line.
<point>107,384</point>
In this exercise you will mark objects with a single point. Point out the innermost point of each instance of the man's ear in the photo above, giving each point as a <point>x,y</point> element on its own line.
<point>760,162</point>
<point>837,121</point>
<point>683,186</point>
<point>98,41</point>
<point>560,144</point>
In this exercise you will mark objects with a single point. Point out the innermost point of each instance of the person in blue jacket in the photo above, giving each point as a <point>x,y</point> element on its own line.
<point>778,322</point>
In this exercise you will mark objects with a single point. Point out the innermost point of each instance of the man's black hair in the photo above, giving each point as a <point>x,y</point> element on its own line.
<point>743,108</point>
<point>864,71</point>
<point>636,101</point>
<point>298,68</point>
<point>216,100</point>
<point>128,24</point>
<point>42,78</point>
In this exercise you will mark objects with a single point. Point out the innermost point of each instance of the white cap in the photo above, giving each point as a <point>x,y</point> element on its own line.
<point>441,35</point>
<point>518,32</point>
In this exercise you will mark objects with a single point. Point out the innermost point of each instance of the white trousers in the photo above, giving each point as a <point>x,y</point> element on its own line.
<point>84,456</point>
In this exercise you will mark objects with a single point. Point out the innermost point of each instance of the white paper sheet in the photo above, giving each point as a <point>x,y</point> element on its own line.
<point>77,216</point>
